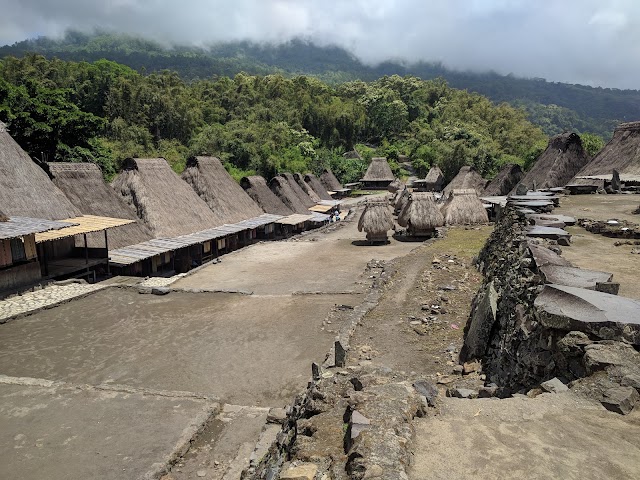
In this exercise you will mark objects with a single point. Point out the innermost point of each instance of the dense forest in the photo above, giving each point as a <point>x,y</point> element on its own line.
<point>555,107</point>
<point>104,112</point>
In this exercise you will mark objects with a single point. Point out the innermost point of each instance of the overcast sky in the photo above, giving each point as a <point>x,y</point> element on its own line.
<point>593,42</point>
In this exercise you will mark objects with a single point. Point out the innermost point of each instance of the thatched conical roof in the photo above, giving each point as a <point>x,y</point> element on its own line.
<point>317,186</point>
<point>257,188</point>
<point>378,171</point>
<point>306,188</point>
<point>330,181</point>
<point>396,185</point>
<point>621,153</point>
<point>162,200</point>
<point>421,212</point>
<point>25,188</point>
<point>83,184</point>
<point>282,188</point>
<point>434,179</point>
<point>505,181</point>
<point>211,181</point>
<point>558,164</point>
<point>463,207</point>
<point>297,189</point>
<point>376,218</point>
<point>466,178</point>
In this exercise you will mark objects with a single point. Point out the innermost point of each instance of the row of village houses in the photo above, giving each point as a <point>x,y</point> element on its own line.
<point>61,220</point>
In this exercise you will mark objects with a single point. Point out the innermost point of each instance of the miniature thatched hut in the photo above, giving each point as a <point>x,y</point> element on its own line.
<point>505,181</point>
<point>317,186</point>
<point>376,220</point>
<point>558,164</point>
<point>25,189</point>
<point>434,180</point>
<point>83,184</point>
<point>421,216</point>
<point>463,207</point>
<point>378,175</point>
<point>395,186</point>
<point>257,188</point>
<point>306,188</point>
<point>466,178</point>
<point>162,200</point>
<point>282,188</point>
<point>228,201</point>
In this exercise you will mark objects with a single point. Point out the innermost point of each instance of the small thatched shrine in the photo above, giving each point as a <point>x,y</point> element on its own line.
<point>505,181</point>
<point>285,192</point>
<point>434,181</point>
<point>306,188</point>
<point>257,188</point>
<point>558,164</point>
<point>467,178</point>
<point>378,175</point>
<point>211,181</point>
<point>463,207</point>
<point>161,199</point>
<point>421,216</point>
<point>395,186</point>
<point>317,186</point>
<point>376,220</point>
<point>25,188</point>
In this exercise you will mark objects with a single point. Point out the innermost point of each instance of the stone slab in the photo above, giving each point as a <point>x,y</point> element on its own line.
<point>574,277</point>
<point>566,219</point>
<point>547,232</point>
<point>543,256</point>
<point>609,317</point>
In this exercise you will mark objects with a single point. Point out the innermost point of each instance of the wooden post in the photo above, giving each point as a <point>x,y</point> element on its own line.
<point>106,245</point>
<point>86,254</point>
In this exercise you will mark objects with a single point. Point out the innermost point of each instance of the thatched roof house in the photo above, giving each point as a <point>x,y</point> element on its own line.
<point>463,207</point>
<point>281,187</point>
<point>25,188</point>
<point>621,153</point>
<point>306,188</point>
<point>211,181</point>
<point>505,181</point>
<point>162,200</point>
<point>378,175</point>
<point>317,186</point>
<point>257,188</point>
<point>558,164</point>
<point>297,189</point>
<point>376,220</point>
<point>330,181</point>
<point>434,181</point>
<point>421,214</point>
<point>83,184</point>
<point>467,178</point>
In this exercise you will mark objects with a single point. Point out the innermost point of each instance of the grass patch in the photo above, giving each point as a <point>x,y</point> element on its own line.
<point>463,242</point>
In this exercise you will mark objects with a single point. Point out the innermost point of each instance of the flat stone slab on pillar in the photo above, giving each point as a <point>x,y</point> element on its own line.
<point>551,233</point>
<point>543,256</point>
<point>574,277</point>
<point>609,317</point>
<point>566,219</point>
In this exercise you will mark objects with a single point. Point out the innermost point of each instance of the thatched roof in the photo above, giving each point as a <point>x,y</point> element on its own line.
<point>376,218</point>
<point>25,188</point>
<point>466,178</point>
<point>317,186</point>
<point>162,200</point>
<point>378,171</point>
<point>257,188</point>
<point>330,181</point>
<point>505,181</point>
<point>622,153</point>
<point>402,197</point>
<point>228,201</point>
<point>421,212</point>
<point>463,207</point>
<point>396,185</point>
<point>434,179</point>
<point>558,164</point>
<point>283,189</point>
<point>83,184</point>
<point>3,217</point>
<point>297,189</point>
<point>306,188</point>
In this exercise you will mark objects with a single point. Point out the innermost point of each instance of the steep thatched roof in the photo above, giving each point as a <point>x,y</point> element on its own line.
<point>622,153</point>
<point>463,207</point>
<point>282,188</point>
<point>166,203</point>
<point>378,171</point>
<point>306,188</point>
<point>434,179</point>
<point>3,217</point>
<point>505,181</point>
<point>558,164</point>
<point>304,198</point>
<point>421,212</point>
<point>228,201</point>
<point>466,178</point>
<point>396,185</point>
<point>25,188</point>
<point>83,184</point>
<point>376,218</point>
<point>330,181</point>
<point>317,186</point>
<point>257,188</point>
<point>402,197</point>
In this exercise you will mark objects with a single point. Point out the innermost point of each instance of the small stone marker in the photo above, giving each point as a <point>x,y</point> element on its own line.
<point>427,390</point>
<point>315,371</point>
<point>358,423</point>
<point>340,354</point>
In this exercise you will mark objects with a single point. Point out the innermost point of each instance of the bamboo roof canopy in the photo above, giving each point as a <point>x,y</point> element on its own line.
<point>82,225</point>
<point>15,227</point>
